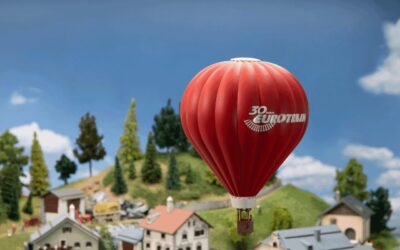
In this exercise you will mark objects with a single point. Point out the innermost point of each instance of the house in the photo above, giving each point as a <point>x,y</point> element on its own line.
<point>127,237</point>
<point>64,232</point>
<point>57,202</point>
<point>170,228</point>
<point>309,238</point>
<point>351,216</point>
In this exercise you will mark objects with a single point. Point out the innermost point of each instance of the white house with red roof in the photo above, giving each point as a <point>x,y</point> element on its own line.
<point>170,228</point>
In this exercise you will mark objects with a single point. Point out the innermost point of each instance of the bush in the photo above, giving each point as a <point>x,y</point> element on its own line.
<point>189,195</point>
<point>282,219</point>
<point>151,197</point>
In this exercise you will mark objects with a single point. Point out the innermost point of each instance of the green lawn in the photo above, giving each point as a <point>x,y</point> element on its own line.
<point>15,242</point>
<point>304,207</point>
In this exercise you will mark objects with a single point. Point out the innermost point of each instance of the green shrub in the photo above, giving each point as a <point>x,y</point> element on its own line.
<point>189,195</point>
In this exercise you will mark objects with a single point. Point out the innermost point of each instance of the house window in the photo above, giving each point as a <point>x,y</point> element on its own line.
<point>310,248</point>
<point>188,248</point>
<point>67,230</point>
<point>350,233</point>
<point>274,244</point>
<point>158,247</point>
<point>77,245</point>
<point>147,245</point>
<point>198,247</point>
<point>333,220</point>
<point>163,236</point>
<point>180,248</point>
<point>88,244</point>
<point>63,243</point>
<point>198,232</point>
<point>148,232</point>
<point>167,248</point>
<point>194,223</point>
<point>184,236</point>
<point>188,223</point>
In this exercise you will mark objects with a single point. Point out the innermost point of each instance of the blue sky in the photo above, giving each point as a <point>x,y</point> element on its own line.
<point>59,60</point>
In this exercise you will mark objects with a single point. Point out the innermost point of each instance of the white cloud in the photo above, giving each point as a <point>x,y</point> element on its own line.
<point>391,177</point>
<point>381,155</point>
<point>308,172</point>
<point>386,78</point>
<point>17,99</point>
<point>395,201</point>
<point>51,142</point>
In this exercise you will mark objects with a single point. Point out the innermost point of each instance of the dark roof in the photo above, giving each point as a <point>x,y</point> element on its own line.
<point>354,204</point>
<point>68,193</point>
<point>303,238</point>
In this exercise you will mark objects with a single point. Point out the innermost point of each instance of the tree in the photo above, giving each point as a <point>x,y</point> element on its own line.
<point>12,155</point>
<point>38,169</point>
<point>129,150</point>
<point>352,180</point>
<point>106,242</point>
<point>166,127</point>
<point>119,186</point>
<point>3,211</point>
<point>282,219</point>
<point>173,181</point>
<point>182,143</point>
<point>211,178</point>
<point>190,176</point>
<point>379,203</point>
<point>239,241</point>
<point>11,191</point>
<point>66,168</point>
<point>28,208</point>
<point>90,147</point>
<point>151,171</point>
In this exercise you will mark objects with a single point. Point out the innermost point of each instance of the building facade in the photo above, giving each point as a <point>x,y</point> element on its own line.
<point>57,202</point>
<point>351,216</point>
<point>170,228</point>
<point>64,232</point>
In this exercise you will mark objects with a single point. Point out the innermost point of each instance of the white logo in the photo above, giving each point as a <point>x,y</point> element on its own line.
<point>264,120</point>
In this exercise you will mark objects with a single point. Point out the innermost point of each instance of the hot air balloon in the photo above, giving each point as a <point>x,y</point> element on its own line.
<point>244,117</point>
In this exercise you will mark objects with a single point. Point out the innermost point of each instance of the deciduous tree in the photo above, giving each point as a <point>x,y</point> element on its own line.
<point>352,180</point>
<point>65,167</point>
<point>282,219</point>
<point>90,147</point>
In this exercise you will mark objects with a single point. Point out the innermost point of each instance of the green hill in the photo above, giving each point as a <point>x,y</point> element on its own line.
<point>304,207</point>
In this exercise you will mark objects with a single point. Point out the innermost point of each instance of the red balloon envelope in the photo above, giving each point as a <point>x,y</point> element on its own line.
<point>244,117</point>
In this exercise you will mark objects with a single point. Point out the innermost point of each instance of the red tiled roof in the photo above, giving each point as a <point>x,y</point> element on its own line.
<point>162,221</point>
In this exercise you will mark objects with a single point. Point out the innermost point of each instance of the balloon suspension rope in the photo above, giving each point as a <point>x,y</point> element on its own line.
<point>244,221</point>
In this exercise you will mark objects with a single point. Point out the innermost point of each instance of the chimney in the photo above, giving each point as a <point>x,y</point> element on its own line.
<point>72,211</point>
<point>337,196</point>
<point>170,204</point>
<point>317,234</point>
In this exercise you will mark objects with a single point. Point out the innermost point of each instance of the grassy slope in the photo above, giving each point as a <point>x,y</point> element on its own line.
<point>304,207</point>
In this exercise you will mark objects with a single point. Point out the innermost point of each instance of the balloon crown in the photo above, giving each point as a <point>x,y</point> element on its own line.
<point>245,59</point>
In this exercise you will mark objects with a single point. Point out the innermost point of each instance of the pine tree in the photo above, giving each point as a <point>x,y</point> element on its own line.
<point>131,171</point>
<point>173,181</point>
<point>190,176</point>
<point>182,143</point>
<point>352,180</point>
<point>166,127</point>
<point>12,155</point>
<point>119,185</point>
<point>10,191</point>
<point>38,169</point>
<point>28,208</point>
<point>89,142</point>
<point>151,171</point>
<point>129,150</point>
<point>66,168</point>
<point>282,219</point>
<point>379,203</point>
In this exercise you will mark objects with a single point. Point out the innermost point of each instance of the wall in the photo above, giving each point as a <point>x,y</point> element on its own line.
<point>347,221</point>
<point>76,235</point>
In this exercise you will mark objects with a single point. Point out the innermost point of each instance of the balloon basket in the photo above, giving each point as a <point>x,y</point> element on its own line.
<point>244,221</point>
